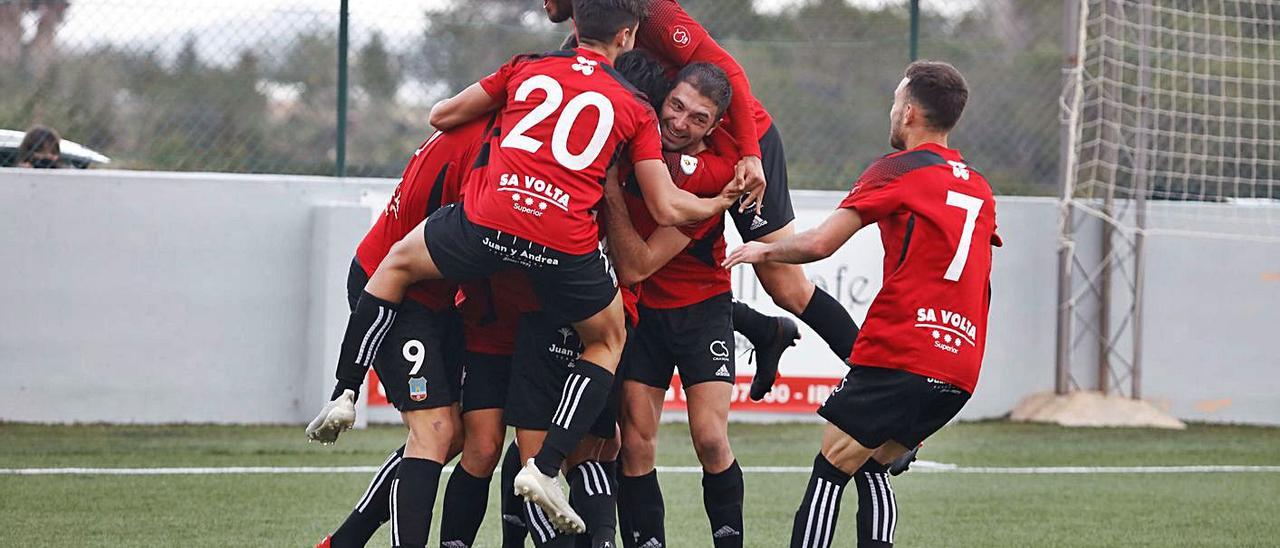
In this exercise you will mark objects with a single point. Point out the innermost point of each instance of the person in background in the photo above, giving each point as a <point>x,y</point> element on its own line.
<point>40,148</point>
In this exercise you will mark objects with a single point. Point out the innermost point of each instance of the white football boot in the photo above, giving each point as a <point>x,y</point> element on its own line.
<point>545,491</point>
<point>335,417</point>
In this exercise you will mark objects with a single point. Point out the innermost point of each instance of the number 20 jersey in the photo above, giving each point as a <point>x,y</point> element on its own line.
<point>937,220</point>
<point>566,117</point>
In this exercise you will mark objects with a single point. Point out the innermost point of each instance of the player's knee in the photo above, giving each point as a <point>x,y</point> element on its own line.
<point>481,459</point>
<point>437,438</point>
<point>713,451</point>
<point>789,289</point>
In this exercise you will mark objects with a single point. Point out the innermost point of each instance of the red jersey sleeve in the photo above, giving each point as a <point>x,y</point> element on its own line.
<point>496,84</point>
<point>876,194</point>
<point>646,144</point>
<point>678,39</point>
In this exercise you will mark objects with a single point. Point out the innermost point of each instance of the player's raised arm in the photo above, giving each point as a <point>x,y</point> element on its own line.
<point>635,258</point>
<point>469,104</point>
<point>671,206</point>
<point>811,245</point>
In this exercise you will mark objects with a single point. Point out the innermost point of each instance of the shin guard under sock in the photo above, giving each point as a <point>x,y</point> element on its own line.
<point>513,524</point>
<point>585,393</point>
<point>640,499</point>
<point>722,495</point>
<point>372,510</point>
<point>832,322</point>
<point>591,492</point>
<point>815,521</point>
<point>465,499</point>
<point>413,495</point>
<point>367,326</point>
<point>877,506</point>
<point>756,327</point>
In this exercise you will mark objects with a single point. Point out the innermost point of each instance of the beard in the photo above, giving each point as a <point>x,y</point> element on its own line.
<point>896,140</point>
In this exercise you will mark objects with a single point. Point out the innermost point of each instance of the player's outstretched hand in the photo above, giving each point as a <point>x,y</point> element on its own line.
<point>749,253</point>
<point>731,192</point>
<point>751,173</point>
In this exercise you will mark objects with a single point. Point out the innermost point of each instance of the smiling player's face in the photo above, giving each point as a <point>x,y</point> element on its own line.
<point>687,117</point>
<point>558,11</point>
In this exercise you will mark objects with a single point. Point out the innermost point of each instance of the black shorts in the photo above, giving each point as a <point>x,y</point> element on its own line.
<point>544,352</point>
<point>573,287</point>
<point>696,339</point>
<point>876,404</point>
<point>485,379</point>
<point>777,211</point>
<point>423,339</point>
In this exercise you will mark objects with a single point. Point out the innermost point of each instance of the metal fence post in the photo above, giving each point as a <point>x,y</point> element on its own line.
<point>915,30</point>
<point>343,23</point>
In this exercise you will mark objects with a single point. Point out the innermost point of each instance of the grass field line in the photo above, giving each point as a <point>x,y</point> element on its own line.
<point>923,466</point>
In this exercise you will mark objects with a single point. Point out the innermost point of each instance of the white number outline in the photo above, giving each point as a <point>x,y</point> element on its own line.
<point>971,206</point>
<point>416,357</point>
<point>560,134</point>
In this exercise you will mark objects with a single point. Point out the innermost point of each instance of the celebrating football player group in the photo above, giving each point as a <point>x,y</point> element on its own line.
<point>555,252</point>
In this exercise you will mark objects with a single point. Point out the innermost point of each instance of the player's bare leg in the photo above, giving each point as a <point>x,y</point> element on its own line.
<point>467,492</point>
<point>843,459</point>
<point>722,486</point>
<point>639,493</point>
<point>585,393</point>
<point>787,285</point>
<point>432,434</point>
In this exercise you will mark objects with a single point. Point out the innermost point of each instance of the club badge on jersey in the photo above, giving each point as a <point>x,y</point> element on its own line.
<point>417,388</point>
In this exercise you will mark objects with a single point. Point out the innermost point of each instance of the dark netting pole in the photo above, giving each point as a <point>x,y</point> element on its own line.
<point>915,30</point>
<point>343,23</point>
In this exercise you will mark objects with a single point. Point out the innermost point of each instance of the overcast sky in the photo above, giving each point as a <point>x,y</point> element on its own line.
<point>151,21</point>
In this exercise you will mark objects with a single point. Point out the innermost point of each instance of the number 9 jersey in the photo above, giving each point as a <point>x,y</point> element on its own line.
<point>937,220</point>
<point>566,116</point>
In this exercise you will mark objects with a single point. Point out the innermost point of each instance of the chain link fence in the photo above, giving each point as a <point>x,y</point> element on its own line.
<point>252,86</point>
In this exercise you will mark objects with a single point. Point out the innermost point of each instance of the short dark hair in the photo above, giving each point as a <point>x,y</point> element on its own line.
<point>39,138</point>
<point>710,81</point>
<point>600,20</point>
<point>940,89</point>
<point>646,74</point>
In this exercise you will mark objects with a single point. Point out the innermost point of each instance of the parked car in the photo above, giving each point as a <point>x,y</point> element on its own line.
<point>73,154</point>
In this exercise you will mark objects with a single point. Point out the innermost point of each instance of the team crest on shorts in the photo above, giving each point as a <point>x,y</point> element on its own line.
<point>417,389</point>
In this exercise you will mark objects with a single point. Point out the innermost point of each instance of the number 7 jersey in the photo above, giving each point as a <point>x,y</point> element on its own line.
<point>566,116</point>
<point>937,220</point>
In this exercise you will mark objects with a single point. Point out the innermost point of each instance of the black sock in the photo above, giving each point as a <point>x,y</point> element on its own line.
<point>877,506</point>
<point>591,492</point>
<point>722,497</point>
<point>541,532</point>
<point>640,499</point>
<point>832,322</point>
<point>756,327</point>
<point>413,495</point>
<point>372,510</point>
<point>465,499</point>
<point>584,396</point>
<point>513,528</point>
<point>815,521</point>
<point>367,326</point>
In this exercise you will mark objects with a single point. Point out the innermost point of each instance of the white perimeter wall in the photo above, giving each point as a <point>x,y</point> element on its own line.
<point>163,297</point>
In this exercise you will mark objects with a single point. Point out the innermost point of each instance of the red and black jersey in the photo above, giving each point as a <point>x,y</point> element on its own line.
<point>434,177</point>
<point>676,39</point>
<point>491,309</point>
<point>695,274</point>
<point>566,116</point>
<point>937,220</point>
